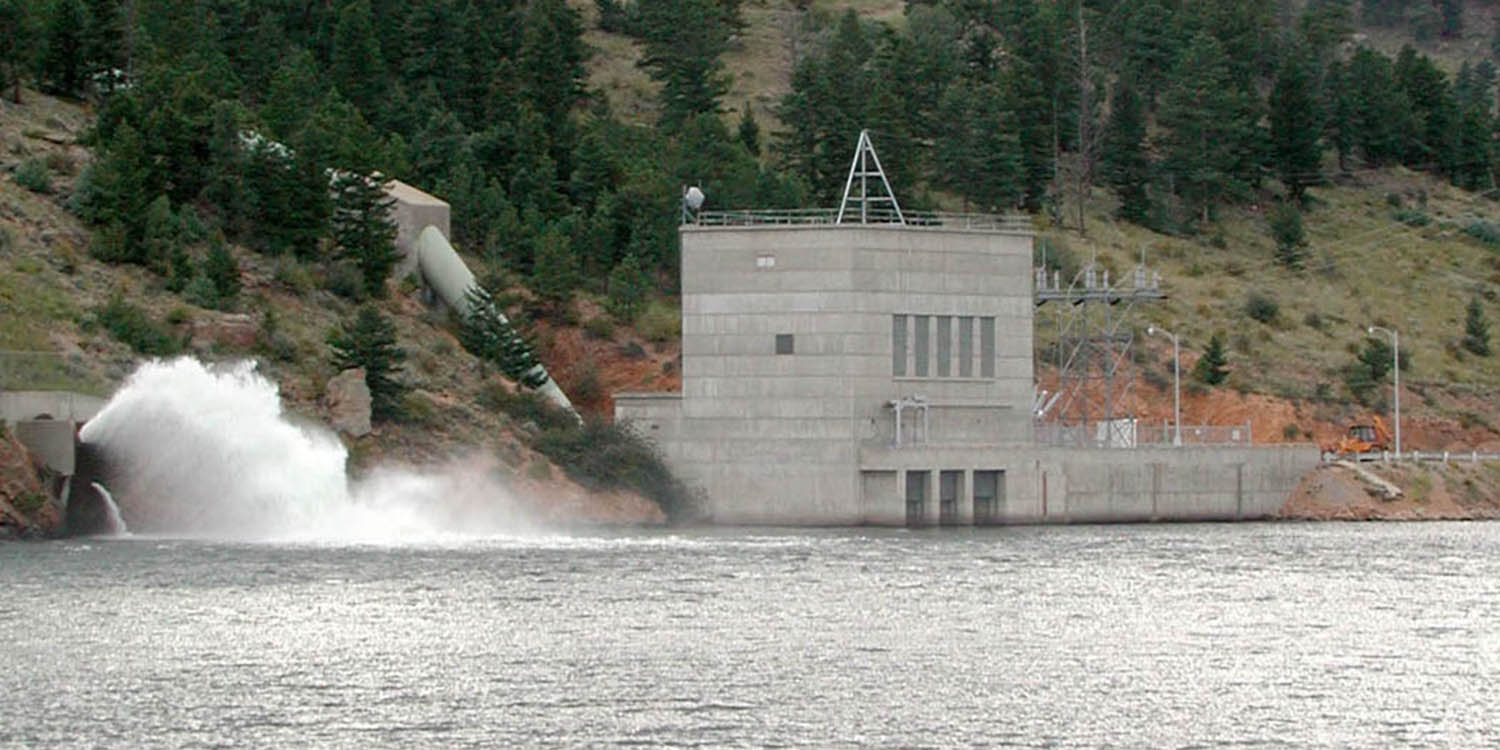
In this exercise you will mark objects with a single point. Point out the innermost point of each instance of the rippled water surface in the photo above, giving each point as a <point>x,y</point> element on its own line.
<point>1330,635</point>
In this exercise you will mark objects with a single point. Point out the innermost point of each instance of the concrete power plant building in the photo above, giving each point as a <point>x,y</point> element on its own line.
<point>867,366</point>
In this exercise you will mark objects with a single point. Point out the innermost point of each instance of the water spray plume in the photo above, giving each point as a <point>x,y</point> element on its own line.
<point>200,450</point>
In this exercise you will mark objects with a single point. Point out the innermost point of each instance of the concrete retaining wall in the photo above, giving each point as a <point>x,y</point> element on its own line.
<point>1059,485</point>
<point>16,406</point>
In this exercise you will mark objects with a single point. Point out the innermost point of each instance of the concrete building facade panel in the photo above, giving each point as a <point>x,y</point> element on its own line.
<point>798,341</point>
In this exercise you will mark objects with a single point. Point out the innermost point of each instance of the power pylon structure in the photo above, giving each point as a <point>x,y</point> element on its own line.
<point>1095,323</point>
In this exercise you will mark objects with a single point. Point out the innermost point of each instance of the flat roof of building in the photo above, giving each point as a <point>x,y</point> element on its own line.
<point>410,195</point>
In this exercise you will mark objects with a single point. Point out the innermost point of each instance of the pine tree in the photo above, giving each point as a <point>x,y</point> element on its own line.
<point>1033,85</point>
<point>488,335</point>
<point>103,39</point>
<point>428,46</point>
<point>369,341</point>
<point>480,329</point>
<point>976,156</point>
<point>357,69</point>
<point>1246,31</point>
<point>1434,110</point>
<point>1381,114</point>
<point>161,240</point>
<point>62,63</point>
<point>1296,124</point>
<point>362,228</point>
<point>554,273</point>
<point>749,131</point>
<point>912,72</point>
<point>124,184</point>
<point>1474,168</point>
<point>550,63</point>
<point>294,86</point>
<point>683,42</point>
<point>1212,367</point>
<point>628,287</point>
<point>1325,24</point>
<point>1476,329</point>
<point>226,166</point>
<point>1127,168</point>
<point>222,271</point>
<point>1291,238</point>
<point>1212,145</point>
<point>1150,43</point>
<point>15,54</point>
<point>826,109</point>
<point>1338,125</point>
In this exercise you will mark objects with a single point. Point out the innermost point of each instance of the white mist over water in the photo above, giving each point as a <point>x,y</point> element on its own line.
<point>206,450</point>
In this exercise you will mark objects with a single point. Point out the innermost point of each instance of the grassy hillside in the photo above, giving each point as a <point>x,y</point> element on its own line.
<point>1365,266</point>
<point>54,299</point>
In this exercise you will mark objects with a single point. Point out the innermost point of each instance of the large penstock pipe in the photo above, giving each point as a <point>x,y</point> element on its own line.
<point>451,278</point>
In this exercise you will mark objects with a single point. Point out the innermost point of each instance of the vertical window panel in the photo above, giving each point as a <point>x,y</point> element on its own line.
<point>966,347</point>
<point>921,346</point>
<point>986,347</point>
<point>944,346</point>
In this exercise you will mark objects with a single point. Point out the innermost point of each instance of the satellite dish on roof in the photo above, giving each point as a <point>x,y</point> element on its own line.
<point>693,198</point>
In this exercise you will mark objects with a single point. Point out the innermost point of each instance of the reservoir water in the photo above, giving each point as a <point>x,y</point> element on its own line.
<point>1332,635</point>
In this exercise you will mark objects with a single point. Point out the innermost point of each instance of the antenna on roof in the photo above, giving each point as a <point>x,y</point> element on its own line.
<point>866,165</point>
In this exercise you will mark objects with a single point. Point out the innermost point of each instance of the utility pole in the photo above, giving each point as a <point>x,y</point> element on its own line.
<point>1176,382</point>
<point>1396,369</point>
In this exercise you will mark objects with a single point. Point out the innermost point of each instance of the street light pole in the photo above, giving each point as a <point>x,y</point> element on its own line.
<point>1396,368</point>
<point>1176,382</point>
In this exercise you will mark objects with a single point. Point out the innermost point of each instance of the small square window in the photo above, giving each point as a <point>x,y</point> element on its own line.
<point>784,343</point>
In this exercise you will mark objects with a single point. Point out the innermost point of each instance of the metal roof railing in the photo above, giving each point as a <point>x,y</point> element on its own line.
<point>875,217</point>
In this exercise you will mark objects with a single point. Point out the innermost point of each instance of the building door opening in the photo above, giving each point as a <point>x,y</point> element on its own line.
<point>916,498</point>
<point>948,490</point>
<point>989,497</point>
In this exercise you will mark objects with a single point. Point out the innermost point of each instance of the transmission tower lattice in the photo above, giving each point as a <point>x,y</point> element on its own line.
<point>1095,319</point>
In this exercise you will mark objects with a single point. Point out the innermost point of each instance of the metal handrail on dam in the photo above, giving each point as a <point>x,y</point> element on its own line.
<point>829,216</point>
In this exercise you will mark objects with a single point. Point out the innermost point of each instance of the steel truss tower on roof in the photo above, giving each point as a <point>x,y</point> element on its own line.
<point>857,189</point>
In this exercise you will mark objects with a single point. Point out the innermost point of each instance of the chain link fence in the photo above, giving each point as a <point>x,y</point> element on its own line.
<point>1134,433</point>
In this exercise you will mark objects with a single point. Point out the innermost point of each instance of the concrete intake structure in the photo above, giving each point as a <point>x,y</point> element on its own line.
<point>47,423</point>
<point>803,343</point>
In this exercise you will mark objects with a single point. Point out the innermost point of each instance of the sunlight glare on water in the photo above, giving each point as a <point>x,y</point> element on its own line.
<point>1131,636</point>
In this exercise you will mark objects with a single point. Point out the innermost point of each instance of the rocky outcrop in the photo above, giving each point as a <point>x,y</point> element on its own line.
<point>232,331</point>
<point>24,507</point>
<point>348,400</point>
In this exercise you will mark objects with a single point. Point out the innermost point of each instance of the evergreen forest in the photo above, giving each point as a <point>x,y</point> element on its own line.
<point>224,116</point>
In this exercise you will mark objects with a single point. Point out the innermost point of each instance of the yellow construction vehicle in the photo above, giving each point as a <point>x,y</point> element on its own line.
<point>1364,438</point>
